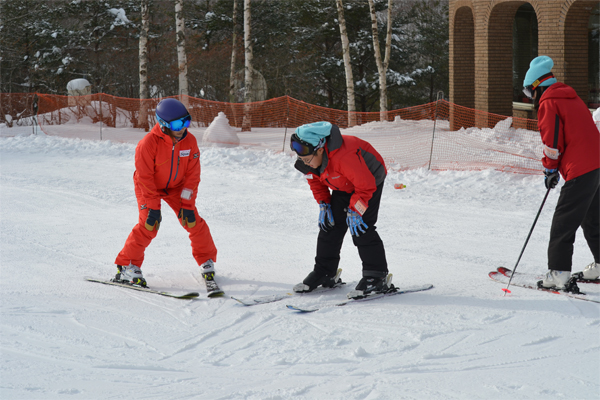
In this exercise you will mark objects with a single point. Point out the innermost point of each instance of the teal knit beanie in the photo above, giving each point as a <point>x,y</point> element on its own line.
<point>539,66</point>
<point>313,133</point>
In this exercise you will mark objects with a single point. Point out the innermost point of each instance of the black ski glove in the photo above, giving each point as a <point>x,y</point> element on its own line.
<point>153,220</point>
<point>552,178</point>
<point>187,217</point>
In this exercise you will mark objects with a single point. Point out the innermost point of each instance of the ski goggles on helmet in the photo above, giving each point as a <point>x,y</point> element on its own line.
<point>528,90</point>
<point>177,124</point>
<point>303,148</point>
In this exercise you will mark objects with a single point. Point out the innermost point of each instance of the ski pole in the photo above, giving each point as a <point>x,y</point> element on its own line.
<point>526,241</point>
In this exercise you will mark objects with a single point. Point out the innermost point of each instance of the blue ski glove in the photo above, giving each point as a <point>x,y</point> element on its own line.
<point>153,220</point>
<point>552,178</point>
<point>325,217</point>
<point>355,223</point>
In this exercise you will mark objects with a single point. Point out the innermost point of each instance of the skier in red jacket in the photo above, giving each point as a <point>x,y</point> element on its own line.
<point>571,149</point>
<point>346,176</point>
<point>167,167</point>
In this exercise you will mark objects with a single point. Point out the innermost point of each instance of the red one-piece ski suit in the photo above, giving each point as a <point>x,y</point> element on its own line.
<point>163,169</point>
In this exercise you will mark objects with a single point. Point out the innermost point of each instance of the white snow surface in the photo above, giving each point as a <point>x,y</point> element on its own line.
<point>67,206</point>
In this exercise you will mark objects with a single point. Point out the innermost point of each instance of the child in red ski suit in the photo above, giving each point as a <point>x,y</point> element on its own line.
<point>167,163</point>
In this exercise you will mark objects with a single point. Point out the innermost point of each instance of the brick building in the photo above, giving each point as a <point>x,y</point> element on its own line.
<point>493,41</point>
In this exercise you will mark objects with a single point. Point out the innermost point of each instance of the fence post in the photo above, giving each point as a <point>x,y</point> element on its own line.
<point>434,123</point>
<point>287,119</point>
<point>101,116</point>
<point>34,121</point>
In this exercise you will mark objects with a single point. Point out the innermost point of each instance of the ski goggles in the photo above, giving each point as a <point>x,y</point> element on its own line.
<point>528,90</point>
<point>177,124</point>
<point>303,148</point>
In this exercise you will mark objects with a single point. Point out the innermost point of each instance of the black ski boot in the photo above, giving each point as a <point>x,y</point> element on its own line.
<point>316,279</point>
<point>370,285</point>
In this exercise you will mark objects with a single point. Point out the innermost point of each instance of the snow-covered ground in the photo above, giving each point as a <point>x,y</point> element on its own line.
<point>67,206</point>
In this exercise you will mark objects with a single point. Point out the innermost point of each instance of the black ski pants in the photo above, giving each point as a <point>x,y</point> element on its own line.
<point>369,244</point>
<point>578,205</point>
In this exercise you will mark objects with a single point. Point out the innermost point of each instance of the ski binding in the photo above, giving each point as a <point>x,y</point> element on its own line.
<point>212,288</point>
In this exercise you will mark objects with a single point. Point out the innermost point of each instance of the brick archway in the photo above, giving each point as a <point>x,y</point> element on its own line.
<point>562,35</point>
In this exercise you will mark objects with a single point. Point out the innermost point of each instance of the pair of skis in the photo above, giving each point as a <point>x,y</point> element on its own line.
<point>212,288</point>
<point>323,304</point>
<point>393,292</point>
<point>529,281</point>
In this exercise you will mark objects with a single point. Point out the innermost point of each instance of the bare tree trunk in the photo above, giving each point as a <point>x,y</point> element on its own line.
<point>382,66</point>
<point>143,71</point>
<point>181,57</point>
<point>232,74</point>
<point>347,65</point>
<point>247,123</point>
<point>233,54</point>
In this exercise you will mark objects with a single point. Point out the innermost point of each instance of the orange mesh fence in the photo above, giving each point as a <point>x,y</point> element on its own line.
<point>472,139</point>
<point>438,135</point>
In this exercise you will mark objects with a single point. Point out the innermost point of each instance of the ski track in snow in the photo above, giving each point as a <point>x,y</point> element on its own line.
<point>67,207</point>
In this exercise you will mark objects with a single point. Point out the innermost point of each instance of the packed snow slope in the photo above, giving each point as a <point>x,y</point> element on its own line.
<point>67,206</point>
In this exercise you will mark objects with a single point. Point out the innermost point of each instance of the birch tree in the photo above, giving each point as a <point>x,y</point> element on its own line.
<point>233,55</point>
<point>181,57</point>
<point>347,65</point>
<point>143,69</point>
<point>246,124</point>
<point>382,66</point>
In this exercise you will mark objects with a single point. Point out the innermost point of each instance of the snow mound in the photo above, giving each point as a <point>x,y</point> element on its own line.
<point>79,84</point>
<point>503,125</point>
<point>220,133</point>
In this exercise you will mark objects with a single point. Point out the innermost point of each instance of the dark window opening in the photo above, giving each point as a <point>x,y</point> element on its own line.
<point>525,48</point>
